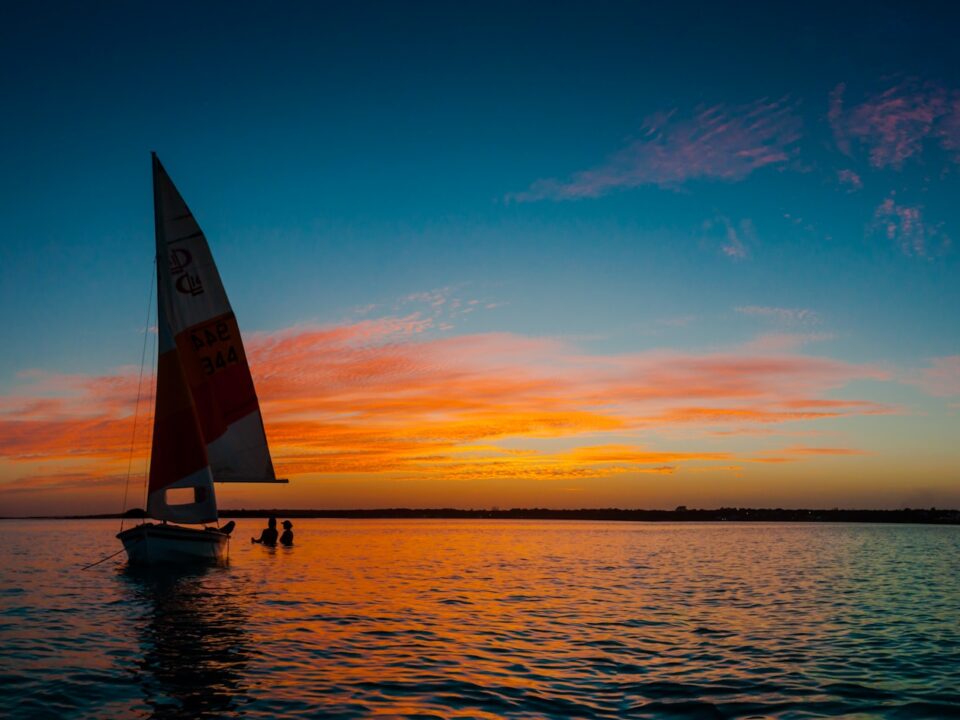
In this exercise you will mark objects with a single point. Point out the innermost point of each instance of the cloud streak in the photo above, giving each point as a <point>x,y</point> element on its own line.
<point>905,226</point>
<point>850,179</point>
<point>721,142</point>
<point>893,125</point>
<point>734,239</point>
<point>785,316</point>
<point>386,397</point>
<point>940,379</point>
<point>797,453</point>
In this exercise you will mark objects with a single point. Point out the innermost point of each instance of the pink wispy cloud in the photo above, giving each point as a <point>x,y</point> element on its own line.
<point>717,143</point>
<point>850,179</point>
<point>940,379</point>
<point>785,316</point>
<point>734,246</point>
<point>893,125</point>
<point>948,130</point>
<point>735,239</point>
<point>783,342</point>
<point>905,225</point>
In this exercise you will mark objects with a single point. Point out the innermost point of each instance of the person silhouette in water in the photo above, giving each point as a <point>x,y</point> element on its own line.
<point>269,534</point>
<point>287,538</point>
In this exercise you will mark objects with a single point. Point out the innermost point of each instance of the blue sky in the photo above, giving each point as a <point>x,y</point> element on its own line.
<point>546,161</point>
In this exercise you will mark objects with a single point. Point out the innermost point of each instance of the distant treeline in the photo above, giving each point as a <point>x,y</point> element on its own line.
<point>680,514</point>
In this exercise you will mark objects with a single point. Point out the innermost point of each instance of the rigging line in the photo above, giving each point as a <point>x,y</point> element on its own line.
<point>87,567</point>
<point>153,374</point>
<point>136,411</point>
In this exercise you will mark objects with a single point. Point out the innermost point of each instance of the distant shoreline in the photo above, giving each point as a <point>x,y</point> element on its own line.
<point>931,516</point>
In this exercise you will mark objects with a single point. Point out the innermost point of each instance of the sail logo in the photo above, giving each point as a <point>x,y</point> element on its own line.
<point>184,282</point>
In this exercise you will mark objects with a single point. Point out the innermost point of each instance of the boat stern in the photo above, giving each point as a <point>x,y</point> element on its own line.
<point>152,544</point>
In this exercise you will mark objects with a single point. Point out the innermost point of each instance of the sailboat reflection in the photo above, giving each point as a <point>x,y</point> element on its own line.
<point>194,642</point>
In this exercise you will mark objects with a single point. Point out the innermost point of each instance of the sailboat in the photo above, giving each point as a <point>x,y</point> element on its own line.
<point>207,425</point>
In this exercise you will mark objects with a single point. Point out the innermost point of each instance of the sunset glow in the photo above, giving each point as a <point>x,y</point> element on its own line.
<point>391,408</point>
<point>577,283</point>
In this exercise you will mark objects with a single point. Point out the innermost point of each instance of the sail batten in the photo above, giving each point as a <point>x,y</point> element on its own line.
<point>208,425</point>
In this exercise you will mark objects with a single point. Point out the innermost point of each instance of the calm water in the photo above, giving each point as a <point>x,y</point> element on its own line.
<point>489,619</point>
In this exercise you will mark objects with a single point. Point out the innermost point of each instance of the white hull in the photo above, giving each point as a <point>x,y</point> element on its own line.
<point>150,544</point>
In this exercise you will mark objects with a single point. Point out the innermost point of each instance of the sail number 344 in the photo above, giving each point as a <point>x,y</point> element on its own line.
<point>213,338</point>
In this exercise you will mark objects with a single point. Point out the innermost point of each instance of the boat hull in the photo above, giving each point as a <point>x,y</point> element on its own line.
<point>151,544</point>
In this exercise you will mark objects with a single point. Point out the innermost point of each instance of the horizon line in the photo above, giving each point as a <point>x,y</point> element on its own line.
<point>681,512</point>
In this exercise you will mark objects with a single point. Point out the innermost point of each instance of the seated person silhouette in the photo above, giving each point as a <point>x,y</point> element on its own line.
<point>269,534</point>
<point>287,538</point>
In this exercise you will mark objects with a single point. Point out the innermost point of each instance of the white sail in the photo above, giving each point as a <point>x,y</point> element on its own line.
<point>208,425</point>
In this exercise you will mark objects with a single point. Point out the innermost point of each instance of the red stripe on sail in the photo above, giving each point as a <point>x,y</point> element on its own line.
<point>216,368</point>
<point>178,447</point>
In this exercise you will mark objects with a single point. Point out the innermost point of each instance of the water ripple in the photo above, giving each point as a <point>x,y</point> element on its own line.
<point>444,619</point>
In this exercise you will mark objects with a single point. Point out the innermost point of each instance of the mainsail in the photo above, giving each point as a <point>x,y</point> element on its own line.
<point>207,424</point>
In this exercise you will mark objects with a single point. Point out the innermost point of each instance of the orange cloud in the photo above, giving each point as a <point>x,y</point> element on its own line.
<point>632,454</point>
<point>799,450</point>
<point>796,452</point>
<point>385,397</point>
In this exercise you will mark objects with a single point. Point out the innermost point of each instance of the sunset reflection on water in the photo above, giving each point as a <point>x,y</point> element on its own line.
<point>489,619</point>
<point>194,643</point>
